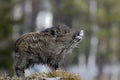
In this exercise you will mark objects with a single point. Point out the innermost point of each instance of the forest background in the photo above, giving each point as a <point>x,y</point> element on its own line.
<point>97,57</point>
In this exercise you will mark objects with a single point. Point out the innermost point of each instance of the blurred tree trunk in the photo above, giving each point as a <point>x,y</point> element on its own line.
<point>27,15</point>
<point>45,16</point>
<point>30,10</point>
<point>104,40</point>
<point>114,41</point>
<point>6,43</point>
<point>119,42</point>
<point>35,10</point>
<point>93,37</point>
<point>59,17</point>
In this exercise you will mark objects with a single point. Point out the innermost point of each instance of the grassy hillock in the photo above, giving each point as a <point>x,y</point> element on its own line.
<point>43,76</point>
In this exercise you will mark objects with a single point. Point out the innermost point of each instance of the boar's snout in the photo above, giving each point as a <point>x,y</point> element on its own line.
<point>79,36</point>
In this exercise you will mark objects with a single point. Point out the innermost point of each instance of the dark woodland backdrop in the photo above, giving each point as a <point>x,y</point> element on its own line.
<point>97,57</point>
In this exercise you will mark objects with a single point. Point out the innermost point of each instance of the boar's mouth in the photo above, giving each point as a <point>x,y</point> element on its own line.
<point>78,37</point>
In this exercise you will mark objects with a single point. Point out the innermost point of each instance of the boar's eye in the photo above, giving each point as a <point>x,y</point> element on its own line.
<point>53,32</point>
<point>66,31</point>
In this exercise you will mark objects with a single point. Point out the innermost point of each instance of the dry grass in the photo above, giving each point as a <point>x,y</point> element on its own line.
<point>42,76</point>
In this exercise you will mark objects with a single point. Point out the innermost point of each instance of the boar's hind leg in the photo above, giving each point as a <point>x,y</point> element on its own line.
<point>19,71</point>
<point>20,66</point>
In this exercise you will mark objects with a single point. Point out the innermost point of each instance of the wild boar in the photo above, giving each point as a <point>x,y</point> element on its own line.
<point>47,47</point>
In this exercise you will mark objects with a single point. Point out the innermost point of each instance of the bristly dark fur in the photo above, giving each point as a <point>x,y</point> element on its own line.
<point>46,47</point>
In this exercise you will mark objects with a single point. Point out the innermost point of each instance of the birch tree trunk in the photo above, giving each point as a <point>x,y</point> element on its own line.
<point>93,37</point>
